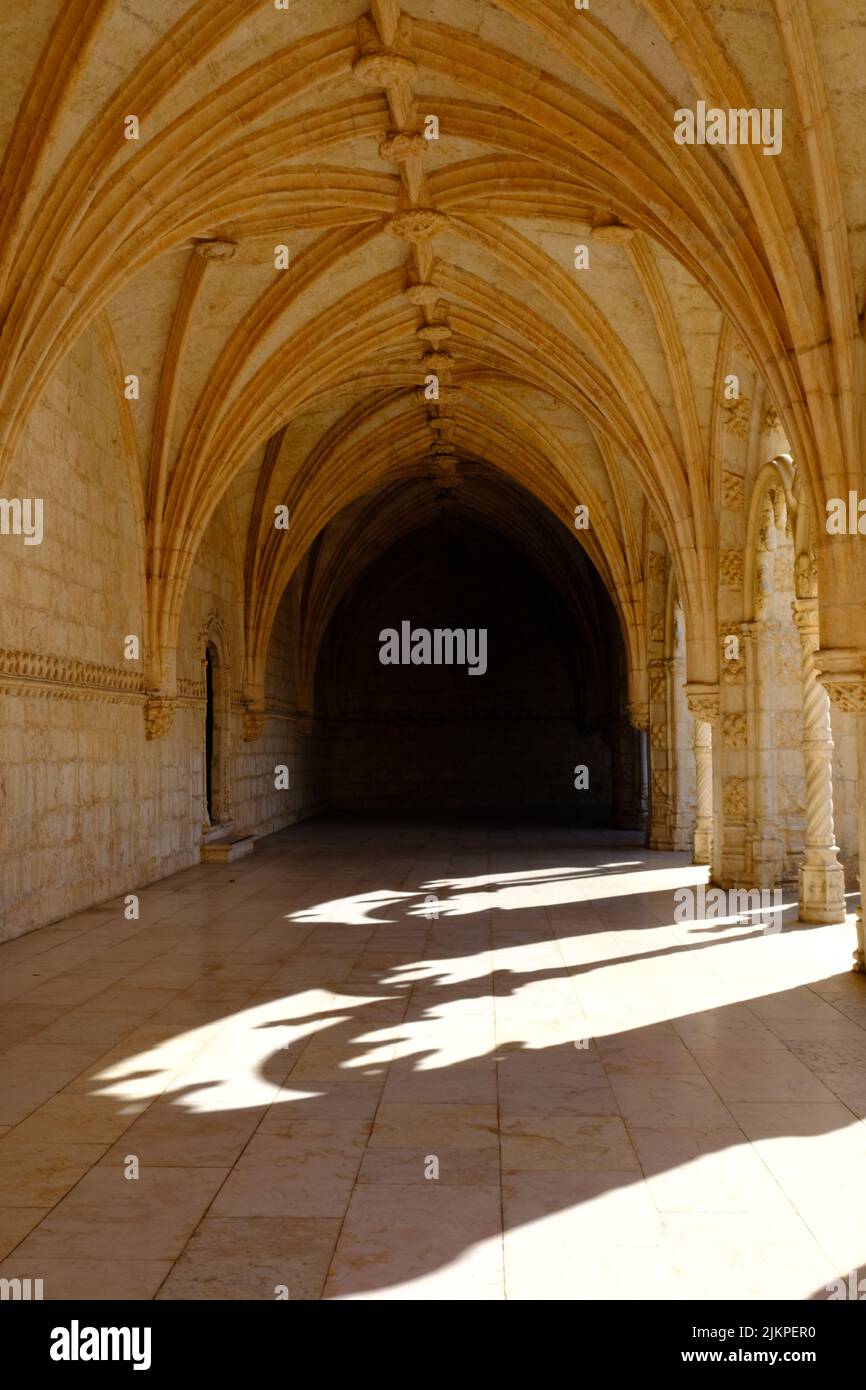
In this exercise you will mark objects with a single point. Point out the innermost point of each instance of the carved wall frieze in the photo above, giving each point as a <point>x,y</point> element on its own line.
<point>733,490</point>
<point>190,690</point>
<point>735,417</point>
<point>733,668</point>
<point>736,797</point>
<point>731,569</point>
<point>842,672</point>
<point>734,730</point>
<point>848,695</point>
<point>88,675</point>
<point>658,681</point>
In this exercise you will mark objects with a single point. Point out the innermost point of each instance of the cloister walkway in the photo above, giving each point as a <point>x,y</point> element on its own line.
<point>431,1058</point>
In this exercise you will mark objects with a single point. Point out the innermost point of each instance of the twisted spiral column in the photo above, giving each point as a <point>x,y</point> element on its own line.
<point>821,876</point>
<point>703,750</point>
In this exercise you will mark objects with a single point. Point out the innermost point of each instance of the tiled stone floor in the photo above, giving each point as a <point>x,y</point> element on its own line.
<point>285,1046</point>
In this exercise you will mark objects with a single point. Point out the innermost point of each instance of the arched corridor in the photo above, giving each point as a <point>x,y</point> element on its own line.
<point>432,647</point>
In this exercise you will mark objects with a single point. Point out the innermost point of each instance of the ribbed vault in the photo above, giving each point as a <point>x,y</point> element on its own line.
<point>303,384</point>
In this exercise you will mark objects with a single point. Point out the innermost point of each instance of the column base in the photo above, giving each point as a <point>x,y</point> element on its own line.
<point>703,847</point>
<point>821,892</point>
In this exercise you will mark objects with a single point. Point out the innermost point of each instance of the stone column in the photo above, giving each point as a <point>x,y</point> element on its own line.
<point>703,833</point>
<point>660,752</point>
<point>703,701</point>
<point>821,878</point>
<point>843,672</point>
<point>764,843</point>
<point>635,732</point>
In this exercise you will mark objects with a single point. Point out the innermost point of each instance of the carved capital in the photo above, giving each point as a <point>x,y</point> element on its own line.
<point>254,721</point>
<point>703,701</point>
<point>158,716</point>
<point>638,714</point>
<point>842,671</point>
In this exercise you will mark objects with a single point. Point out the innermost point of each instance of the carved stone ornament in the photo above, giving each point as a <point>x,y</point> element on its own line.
<point>731,569</point>
<point>657,565</point>
<point>734,730</point>
<point>418,224</point>
<point>733,490</point>
<point>215,249</point>
<point>842,672</point>
<point>422,296</point>
<point>158,716</point>
<point>437,362</point>
<point>849,695</point>
<point>703,702</point>
<point>254,721</point>
<point>400,145</point>
<point>735,417</point>
<point>384,68</point>
<point>638,714</point>
<point>806,575</point>
<point>435,333</point>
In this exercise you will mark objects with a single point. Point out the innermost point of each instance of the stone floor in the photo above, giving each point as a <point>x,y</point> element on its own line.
<point>620,1107</point>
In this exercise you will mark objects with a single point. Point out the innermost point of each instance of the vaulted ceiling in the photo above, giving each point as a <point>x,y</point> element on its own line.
<point>409,257</point>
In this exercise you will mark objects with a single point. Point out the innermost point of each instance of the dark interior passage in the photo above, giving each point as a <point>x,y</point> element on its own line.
<point>434,735</point>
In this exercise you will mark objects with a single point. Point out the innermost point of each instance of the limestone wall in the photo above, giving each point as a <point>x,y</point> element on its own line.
<point>91,808</point>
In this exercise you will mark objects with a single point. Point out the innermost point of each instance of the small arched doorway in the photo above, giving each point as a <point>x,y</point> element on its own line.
<point>215,680</point>
<point>211,770</point>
